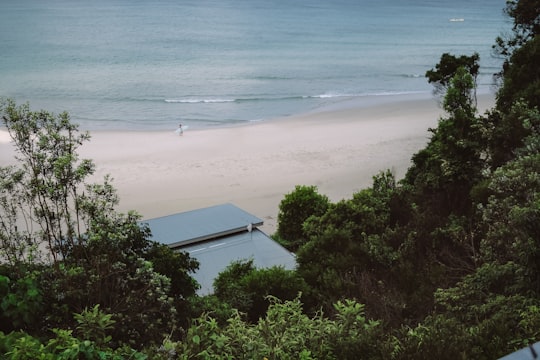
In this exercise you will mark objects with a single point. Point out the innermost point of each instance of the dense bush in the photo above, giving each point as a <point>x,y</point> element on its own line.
<point>295,208</point>
<point>246,288</point>
<point>65,248</point>
<point>285,332</point>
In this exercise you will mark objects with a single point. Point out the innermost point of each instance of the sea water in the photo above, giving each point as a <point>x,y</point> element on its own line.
<point>141,64</point>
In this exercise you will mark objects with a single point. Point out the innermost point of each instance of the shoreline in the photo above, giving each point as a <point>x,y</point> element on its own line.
<point>254,165</point>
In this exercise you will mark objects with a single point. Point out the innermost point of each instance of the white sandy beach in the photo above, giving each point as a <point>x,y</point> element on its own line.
<point>254,166</point>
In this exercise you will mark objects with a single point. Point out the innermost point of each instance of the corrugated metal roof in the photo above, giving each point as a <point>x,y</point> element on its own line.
<point>217,236</point>
<point>197,225</point>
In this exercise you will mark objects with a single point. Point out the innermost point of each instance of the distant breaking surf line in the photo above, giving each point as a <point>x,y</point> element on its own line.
<point>292,97</point>
<point>199,101</point>
<point>224,100</point>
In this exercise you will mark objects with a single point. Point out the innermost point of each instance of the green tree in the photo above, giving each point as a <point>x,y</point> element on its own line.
<point>350,251</point>
<point>63,345</point>
<point>446,69</point>
<point>521,79</point>
<point>525,15</point>
<point>92,254</point>
<point>286,332</point>
<point>120,280</point>
<point>94,325</point>
<point>275,281</point>
<point>246,288</point>
<point>46,192</point>
<point>21,301</point>
<point>505,133</point>
<point>444,172</point>
<point>210,305</point>
<point>16,245</point>
<point>295,208</point>
<point>485,316</point>
<point>440,241</point>
<point>369,211</point>
<point>512,214</point>
<point>228,287</point>
<point>178,267</point>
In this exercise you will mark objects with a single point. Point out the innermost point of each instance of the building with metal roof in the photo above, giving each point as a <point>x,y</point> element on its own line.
<point>531,352</point>
<point>217,236</point>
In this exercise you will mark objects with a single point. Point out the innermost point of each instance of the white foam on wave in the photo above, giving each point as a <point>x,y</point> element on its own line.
<point>367,94</point>
<point>329,96</point>
<point>199,101</point>
<point>394,93</point>
<point>413,76</point>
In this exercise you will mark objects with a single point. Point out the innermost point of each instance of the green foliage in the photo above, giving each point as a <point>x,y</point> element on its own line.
<point>483,317</point>
<point>329,264</point>
<point>355,334</point>
<point>525,16</point>
<point>351,247</point>
<point>47,188</point>
<point>176,265</point>
<point>94,324</point>
<point>441,239</point>
<point>458,101</point>
<point>228,287</point>
<point>204,340</point>
<point>94,255</point>
<point>246,288</point>
<point>369,211</point>
<point>445,71</point>
<point>21,302</point>
<point>275,281</point>
<point>521,77</point>
<point>63,346</point>
<point>16,245</point>
<point>506,133</point>
<point>295,208</point>
<point>512,213</point>
<point>444,173</point>
<point>120,281</point>
<point>210,305</point>
<point>338,265</point>
<point>285,333</point>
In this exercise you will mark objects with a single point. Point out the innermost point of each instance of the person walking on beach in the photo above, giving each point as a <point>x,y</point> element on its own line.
<point>180,131</point>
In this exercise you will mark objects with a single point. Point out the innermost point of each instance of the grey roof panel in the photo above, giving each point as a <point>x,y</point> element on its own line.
<point>529,353</point>
<point>202,224</point>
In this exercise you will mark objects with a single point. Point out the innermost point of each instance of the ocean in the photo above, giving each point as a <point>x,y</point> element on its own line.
<point>148,65</point>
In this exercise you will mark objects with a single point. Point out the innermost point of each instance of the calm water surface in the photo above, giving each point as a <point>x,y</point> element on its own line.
<point>139,64</point>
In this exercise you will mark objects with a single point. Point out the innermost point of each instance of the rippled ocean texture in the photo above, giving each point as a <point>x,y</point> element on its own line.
<point>141,64</point>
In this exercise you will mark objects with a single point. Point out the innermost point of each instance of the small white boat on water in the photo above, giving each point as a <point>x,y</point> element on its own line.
<point>457,20</point>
